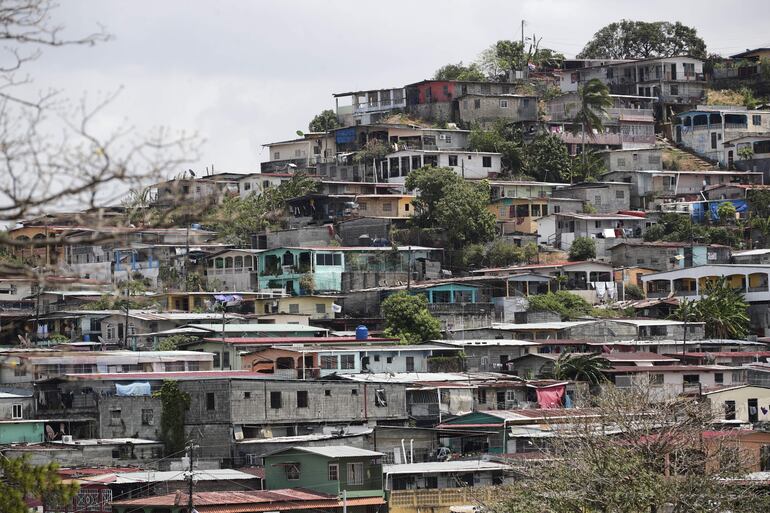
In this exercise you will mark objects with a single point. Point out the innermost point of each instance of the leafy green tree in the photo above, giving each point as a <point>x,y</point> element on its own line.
<point>762,225</point>
<point>726,212</point>
<point>547,159</point>
<point>446,201</point>
<point>588,167</point>
<point>594,101</point>
<point>629,39</point>
<point>633,291</point>
<point>759,202</point>
<point>174,404</point>
<point>407,317</point>
<point>568,305</point>
<point>22,481</point>
<point>174,342</point>
<point>582,248</point>
<point>502,254</point>
<point>503,139</point>
<point>324,121</point>
<point>581,367</point>
<point>723,309</point>
<point>474,256</point>
<point>459,71</point>
<point>236,218</point>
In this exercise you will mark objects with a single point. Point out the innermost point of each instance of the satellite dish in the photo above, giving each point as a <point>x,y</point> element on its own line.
<point>300,133</point>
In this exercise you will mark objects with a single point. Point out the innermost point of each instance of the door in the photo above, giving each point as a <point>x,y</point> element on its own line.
<point>673,71</point>
<point>678,133</point>
<point>730,159</point>
<point>500,400</point>
<point>753,411</point>
<point>410,364</point>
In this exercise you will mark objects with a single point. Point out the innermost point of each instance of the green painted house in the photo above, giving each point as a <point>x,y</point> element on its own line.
<point>326,469</point>
<point>21,431</point>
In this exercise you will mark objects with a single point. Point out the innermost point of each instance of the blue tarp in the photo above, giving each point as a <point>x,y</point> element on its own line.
<point>133,389</point>
<point>345,135</point>
<point>739,204</point>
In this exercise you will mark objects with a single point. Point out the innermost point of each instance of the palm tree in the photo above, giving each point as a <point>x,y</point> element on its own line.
<point>685,312</point>
<point>762,225</point>
<point>581,367</point>
<point>724,311</point>
<point>594,102</point>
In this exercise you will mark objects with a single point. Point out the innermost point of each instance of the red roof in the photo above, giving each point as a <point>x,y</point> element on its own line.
<point>638,356</point>
<point>662,368</point>
<point>251,501</point>
<point>729,353</point>
<point>296,340</point>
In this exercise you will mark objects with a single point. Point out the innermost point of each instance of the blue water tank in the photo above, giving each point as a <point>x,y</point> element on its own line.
<point>362,332</point>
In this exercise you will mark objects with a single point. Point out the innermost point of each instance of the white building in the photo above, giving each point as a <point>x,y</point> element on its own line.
<point>468,164</point>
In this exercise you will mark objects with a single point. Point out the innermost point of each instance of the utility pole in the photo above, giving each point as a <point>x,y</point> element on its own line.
<point>190,449</point>
<point>409,270</point>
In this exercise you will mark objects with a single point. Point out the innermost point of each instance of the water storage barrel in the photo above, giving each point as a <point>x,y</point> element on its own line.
<point>362,332</point>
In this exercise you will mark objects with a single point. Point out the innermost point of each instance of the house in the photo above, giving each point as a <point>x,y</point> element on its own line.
<point>629,123</point>
<point>752,256</point>
<point>706,131</point>
<point>483,355</point>
<point>300,154</point>
<point>257,183</point>
<point>690,283</point>
<point>26,366</point>
<point>18,422</point>
<point>524,215</point>
<point>750,152</point>
<point>487,109</point>
<point>674,81</point>
<point>636,159</point>
<point>541,365</point>
<point>368,107</point>
<point>607,229</point>
<point>523,189</point>
<point>384,205</point>
<point>232,270</point>
<point>295,268</point>
<point>335,470</point>
<point>468,164</point>
<point>662,256</point>
<point>605,197</point>
<point>666,382</point>
<point>439,475</point>
<point>653,189</point>
<point>72,452</point>
<point>291,499</point>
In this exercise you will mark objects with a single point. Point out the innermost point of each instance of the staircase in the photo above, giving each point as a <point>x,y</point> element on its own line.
<point>686,159</point>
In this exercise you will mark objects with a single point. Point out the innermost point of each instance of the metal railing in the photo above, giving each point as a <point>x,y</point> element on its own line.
<point>442,496</point>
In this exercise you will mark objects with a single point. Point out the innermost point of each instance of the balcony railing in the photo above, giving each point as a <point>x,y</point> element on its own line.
<point>442,497</point>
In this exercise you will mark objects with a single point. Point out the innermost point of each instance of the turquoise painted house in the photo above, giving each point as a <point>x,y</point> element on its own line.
<point>21,431</point>
<point>451,293</point>
<point>326,469</point>
<point>284,268</point>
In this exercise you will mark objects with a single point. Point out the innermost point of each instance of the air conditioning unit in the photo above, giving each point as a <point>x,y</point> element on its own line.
<point>67,439</point>
<point>442,137</point>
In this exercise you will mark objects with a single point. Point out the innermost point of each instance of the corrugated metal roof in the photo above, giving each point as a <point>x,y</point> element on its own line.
<point>338,451</point>
<point>443,467</point>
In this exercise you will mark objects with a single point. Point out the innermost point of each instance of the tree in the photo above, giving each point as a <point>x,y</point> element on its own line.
<point>632,291</point>
<point>723,309</point>
<point>174,403</point>
<point>726,212</point>
<point>237,218</point>
<point>589,167</point>
<point>582,248</point>
<point>635,452</point>
<point>746,152</point>
<point>581,367</point>
<point>324,121</point>
<point>503,139</point>
<point>446,201</point>
<point>459,71</point>
<point>568,305</point>
<point>629,39</point>
<point>174,342</point>
<point>594,101</point>
<point>407,317</point>
<point>503,254</point>
<point>23,481</point>
<point>547,159</point>
<point>762,225</point>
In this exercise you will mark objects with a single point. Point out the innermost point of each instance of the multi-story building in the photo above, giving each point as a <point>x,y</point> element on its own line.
<point>368,107</point>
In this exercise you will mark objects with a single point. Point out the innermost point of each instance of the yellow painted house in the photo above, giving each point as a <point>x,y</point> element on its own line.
<point>385,205</point>
<point>519,214</point>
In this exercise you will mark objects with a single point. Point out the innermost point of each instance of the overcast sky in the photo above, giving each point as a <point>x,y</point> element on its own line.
<point>244,73</point>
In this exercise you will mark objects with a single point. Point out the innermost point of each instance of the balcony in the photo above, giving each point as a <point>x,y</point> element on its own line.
<point>285,165</point>
<point>603,139</point>
<point>413,499</point>
<point>384,104</point>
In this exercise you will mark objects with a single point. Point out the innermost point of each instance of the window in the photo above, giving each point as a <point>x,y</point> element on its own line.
<point>482,395</point>
<point>477,103</point>
<point>20,370</point>
<point>333,473</point>
<point>320,308</point>
<point>719,378</point>
<point>355,473</point>
<point>656,380</point>
<point>293,308</point>
<point>691,379</point>
<point>452,160</point>
<point>729,410</point>
<point>410,364</point>
<point>535,210</point>
<point>380,399</point>
<point>114,417</point>
<point>174,366</point>
<point>275,400</point>
<point>301,398</point>
<point>210,401</point>
<point>353,391</point>
<point>448,139</point>
<point>226,359</point>
<point>347,361</point>
<point>292,471</point>
<point>620,194</point>
<point>328,361</point>
<point>376,358</point>
<point>416,162</point>
<point>277,155</point>
<point>247,395</point>
<point>756,119</point>
<point>17,412</point>
<point>486,161</point>
<point>216,359</point>
<point>674,89</point>
<point>503,104</point>
<point>387,206</point>
<point>327,393</point>
<point>328,258</point>
<point>389,359</point>
<point>147,417</point>
<point>621,162</point>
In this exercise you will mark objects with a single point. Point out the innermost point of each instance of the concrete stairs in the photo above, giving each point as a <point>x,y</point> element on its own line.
<point>686,159</point>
